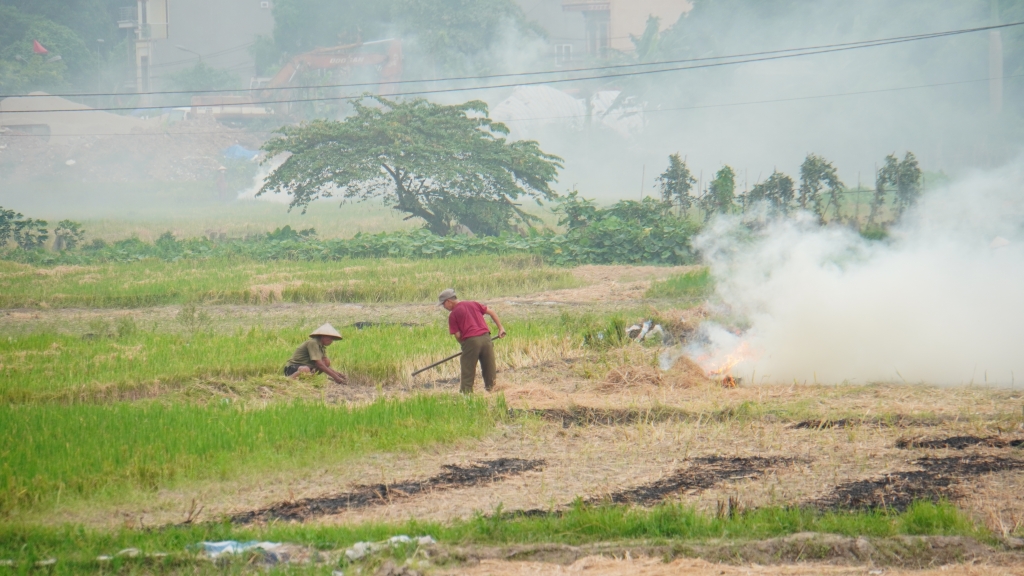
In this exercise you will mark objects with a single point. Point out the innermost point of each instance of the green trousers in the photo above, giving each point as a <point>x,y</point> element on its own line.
<point>477,349</point>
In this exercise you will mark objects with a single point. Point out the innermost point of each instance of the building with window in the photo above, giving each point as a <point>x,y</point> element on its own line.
<point>578,29</point>
<point>174,34</point>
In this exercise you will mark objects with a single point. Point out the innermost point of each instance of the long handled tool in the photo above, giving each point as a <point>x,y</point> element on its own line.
<point>439,362</point>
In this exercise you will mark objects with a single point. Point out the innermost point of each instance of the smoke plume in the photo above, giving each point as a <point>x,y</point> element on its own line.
<point>940,301</point>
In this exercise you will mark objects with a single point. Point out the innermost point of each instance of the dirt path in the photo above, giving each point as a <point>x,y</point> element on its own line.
<point>602,566</point>
<point>613,286</point>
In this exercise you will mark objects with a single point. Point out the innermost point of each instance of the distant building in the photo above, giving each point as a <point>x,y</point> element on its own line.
<point>175,34</point>
<point>578,29</point>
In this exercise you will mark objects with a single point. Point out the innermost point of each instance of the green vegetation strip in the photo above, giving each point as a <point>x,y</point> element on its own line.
<point>84,451</point>
<point>77,547</point>
<point>243,280</point>
<point>52,366</point>
<point>692,286</point>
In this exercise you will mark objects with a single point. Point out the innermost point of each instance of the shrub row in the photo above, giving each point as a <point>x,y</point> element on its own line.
<point>609,241</point>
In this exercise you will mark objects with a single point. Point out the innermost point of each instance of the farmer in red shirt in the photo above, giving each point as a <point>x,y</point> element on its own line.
<point>466,322</point>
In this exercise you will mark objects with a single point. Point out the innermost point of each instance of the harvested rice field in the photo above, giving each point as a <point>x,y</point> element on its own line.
<point>131,435</point>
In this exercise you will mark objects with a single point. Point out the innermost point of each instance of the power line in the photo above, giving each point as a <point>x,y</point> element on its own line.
<point>495,86</point>
<point>653,111</point>
<point>781,53</point>
<point>780,100</point>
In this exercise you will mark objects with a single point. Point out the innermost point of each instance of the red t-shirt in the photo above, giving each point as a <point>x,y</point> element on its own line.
<point>467,319</point>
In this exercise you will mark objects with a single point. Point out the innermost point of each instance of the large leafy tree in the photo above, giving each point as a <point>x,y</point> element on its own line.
<point>21,70</point>
<point>446,165</point>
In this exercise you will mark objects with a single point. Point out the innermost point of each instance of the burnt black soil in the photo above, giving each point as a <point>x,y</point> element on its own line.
<point>896,421</point>
<point>584,416</point>
<point>958,443</point>
<point>375,494</point>
<point>700,474</point>
<point>935,479</point>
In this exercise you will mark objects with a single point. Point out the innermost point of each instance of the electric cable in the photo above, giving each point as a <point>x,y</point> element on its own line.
<point>807,50</point>
<point>651,111</point>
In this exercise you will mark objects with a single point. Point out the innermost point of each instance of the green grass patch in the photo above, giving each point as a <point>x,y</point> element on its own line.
<point>155,282</point>
<point>84,451</point>
<point>50,366</point>
<point>77,548</point>
<point>691,286</point>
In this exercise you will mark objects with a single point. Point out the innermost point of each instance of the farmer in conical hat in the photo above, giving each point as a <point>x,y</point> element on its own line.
<point>311,356</point>
<point>466,322</point>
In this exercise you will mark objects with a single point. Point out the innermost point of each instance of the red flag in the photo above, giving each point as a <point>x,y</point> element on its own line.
<point>38,48</point>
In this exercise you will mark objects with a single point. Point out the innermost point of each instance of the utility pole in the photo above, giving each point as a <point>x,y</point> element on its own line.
<point>995,63</point>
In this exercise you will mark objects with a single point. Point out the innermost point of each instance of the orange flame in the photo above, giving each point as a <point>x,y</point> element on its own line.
<point>720,367</point>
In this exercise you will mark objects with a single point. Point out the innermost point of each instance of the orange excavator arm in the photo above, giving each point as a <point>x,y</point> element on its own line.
<point>348,56</point>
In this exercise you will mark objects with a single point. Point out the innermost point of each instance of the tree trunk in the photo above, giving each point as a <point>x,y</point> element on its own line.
<point>408,203</point>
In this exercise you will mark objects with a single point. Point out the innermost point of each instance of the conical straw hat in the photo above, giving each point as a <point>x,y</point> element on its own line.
<point>326,330</point>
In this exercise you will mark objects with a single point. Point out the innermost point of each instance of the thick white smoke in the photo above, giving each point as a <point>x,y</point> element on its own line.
<point>942,301</point>
<point>262,173</point>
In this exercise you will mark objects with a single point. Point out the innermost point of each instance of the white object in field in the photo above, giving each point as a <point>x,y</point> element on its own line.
<point>656,330</point>
<point>644,331</point>
<point>361,549</point>
<point>215,549</point>
<point>70,163</point>
<point>634,329</point>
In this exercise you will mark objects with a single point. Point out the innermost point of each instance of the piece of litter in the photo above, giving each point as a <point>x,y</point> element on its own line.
<point>358,550</point>
<point>70,163</point>
<point>47,562</point>
<point>215,549</point>
<point>337,573</point>
<point>361,549</point>
<point>129,552</point>
<point>104,558</point>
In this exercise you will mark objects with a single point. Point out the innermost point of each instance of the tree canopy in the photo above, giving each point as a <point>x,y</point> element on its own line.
<point>818,176</point>
<point>776,191</point>
<point>445,164</point>
<point>676,182</point>
<point>902,175</point>
<point>720,197</point>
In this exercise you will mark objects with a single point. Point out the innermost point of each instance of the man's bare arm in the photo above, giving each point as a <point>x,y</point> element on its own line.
<point>325,367</point>
<point>497,322</point>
